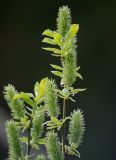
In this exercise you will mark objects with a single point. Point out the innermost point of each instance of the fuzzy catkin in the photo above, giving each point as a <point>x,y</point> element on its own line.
<point>63,20</point>
<point>16,106</point>
<point>51,99</point>
<point>12,131</point>
<point>37,124</point>
<point>53,146</point>
<point>69,63</point>
<point>76,128</point>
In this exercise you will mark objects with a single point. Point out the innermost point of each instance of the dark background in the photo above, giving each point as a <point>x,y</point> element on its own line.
<point>22,63</point>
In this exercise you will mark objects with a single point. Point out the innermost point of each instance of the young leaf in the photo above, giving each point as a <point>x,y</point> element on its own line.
<point>48,33</point>
<point>49,41</point>
<point>71,150</point>
<point>73,30</point>
<point>58,38</point>
<point>79,90</point>
<point>77,69</point>
<point>56,67</point>
<point>57,73</point>
<point>55,50</point>
<point>40,91</point>
<point>41,141</point>
<point>40,157</point>
<point>25,123</point>
<point>24,139</point>
<point>56,121</point>
<point>75,91</point>
<point>42,88</point>
<point>25,96</point>
<point>67,45</point>
<point>56,55</point>
<point>36,89</point>
<point>79,75</point>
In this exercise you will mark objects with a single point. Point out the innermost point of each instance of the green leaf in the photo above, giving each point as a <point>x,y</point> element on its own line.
<point>56,67</point>
<point>49,41</point>
<point>24,120</point>
<point>79,90</point>
<point>75,153</point>
<point>79,75</point>
<point>36,89</point>
<point>58,38</point>
<point>48,33</point>
<point>42,88</point>
<point>77,69</point>
<point>75,91</point>
<point>62,82</point>
<point>71,150</point>
<point>72,99</point>
<point>57,73</point>
<point>34,145</point>
<point>40,157</point>
<point>24,139</point>
<point>25,123</point>
<point>41,141</point>
<point>73,30</point>
<point>55,50</point>
<point>56,121</point>
<point>25,96</point>
<point>56,55</point>
<point>67,45</point>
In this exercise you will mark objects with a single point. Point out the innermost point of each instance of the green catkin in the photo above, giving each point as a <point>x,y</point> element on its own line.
<point>16,106</point>
<point>37,124</point>
<point>76,128</point>
<point>40,157</point>
<point>69,61</point>
<point>51,99</point>
<point>63,20</point>
<point>53,147</point>
<point>12,131</point>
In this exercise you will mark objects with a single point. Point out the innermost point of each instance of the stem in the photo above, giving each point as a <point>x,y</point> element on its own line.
<point>64,108</point>
<point>29,134</point>
<point>29,138</point>
<point>63,128</point>
<point>29,130</point>
<point>28,146</point>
